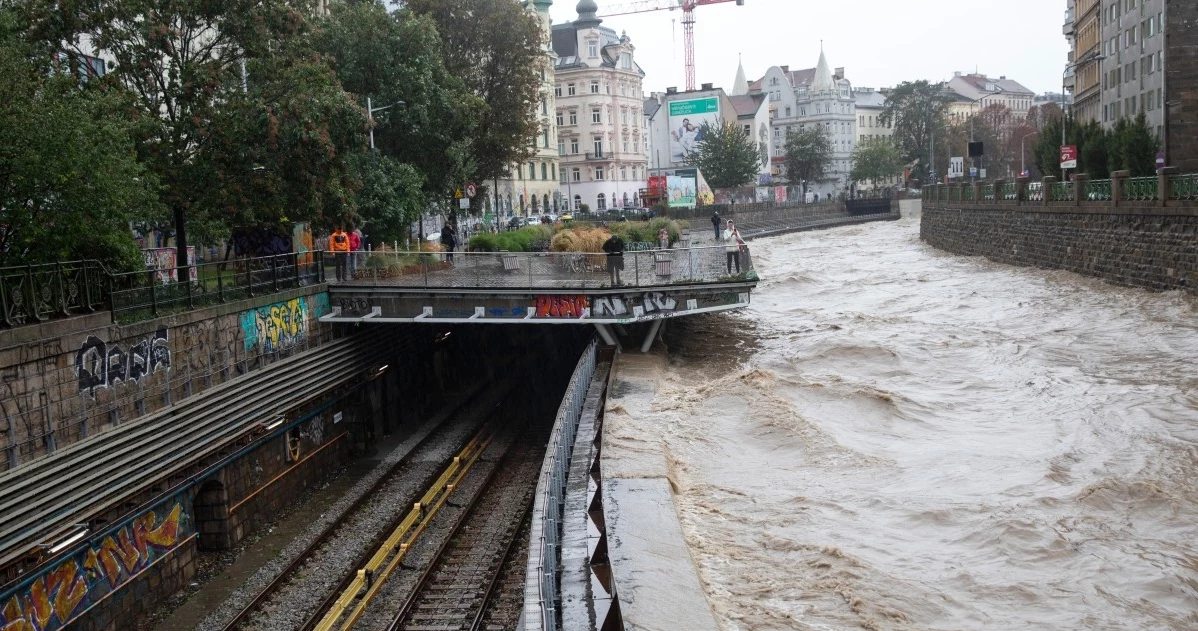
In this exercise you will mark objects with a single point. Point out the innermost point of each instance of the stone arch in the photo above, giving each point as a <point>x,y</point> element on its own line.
<point>211,510</point>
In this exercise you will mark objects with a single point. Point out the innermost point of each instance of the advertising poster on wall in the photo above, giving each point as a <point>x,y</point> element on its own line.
<point>682,191</point>
<point>686,123</point>
<point>162,261</point>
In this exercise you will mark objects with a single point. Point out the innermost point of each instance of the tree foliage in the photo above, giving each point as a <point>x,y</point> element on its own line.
<point>70,182</point>
<point>808,154</point>
<point>1130,146</point>
<point>916,110</point>
<point>727,157</point>
<point>877,159</point>
<point>236,118</point>
<point>390,198</point>
<point>498,49</point>
<point>394,57</point>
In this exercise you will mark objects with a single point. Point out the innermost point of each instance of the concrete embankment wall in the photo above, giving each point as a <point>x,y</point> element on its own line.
<point>1143,246</point>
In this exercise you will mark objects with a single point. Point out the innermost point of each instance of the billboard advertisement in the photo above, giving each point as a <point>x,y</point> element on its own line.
<point>686,121</point>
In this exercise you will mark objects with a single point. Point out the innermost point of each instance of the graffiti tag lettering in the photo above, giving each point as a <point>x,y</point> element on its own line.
<point>54,599</point>
<point>100,365</point>
<point>561,306</point>
<point>658,301</point>
<point>275,327</point>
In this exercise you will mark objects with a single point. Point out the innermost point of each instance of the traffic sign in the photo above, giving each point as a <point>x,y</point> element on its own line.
<point>1069,157</point>
<point>471,190</point>
<point>973,171</point>
<point>956,167</point>
<point>457,194</point>
<point>1160,159</point>
<point>464,203</point>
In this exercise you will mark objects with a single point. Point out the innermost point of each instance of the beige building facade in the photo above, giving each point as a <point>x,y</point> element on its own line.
<point>602,138</point>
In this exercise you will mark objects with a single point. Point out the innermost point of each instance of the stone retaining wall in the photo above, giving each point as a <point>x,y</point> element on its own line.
<point>1143,246</point>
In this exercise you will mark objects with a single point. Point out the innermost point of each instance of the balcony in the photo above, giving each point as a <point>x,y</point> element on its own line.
<point>595,157</point>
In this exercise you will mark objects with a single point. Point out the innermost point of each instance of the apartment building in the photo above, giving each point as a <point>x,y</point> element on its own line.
<point>1133,61</point>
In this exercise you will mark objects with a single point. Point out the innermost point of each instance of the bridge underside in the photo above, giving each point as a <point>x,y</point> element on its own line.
<point>355,304</point>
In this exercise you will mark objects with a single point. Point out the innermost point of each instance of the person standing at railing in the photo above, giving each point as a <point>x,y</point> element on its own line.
<point>715,223</point>
<point>448,241</point>
<point>339,245</point>
<point>355,247</point>
<point>614,247</point>
<point>732,250</point>
<point>663,238</point>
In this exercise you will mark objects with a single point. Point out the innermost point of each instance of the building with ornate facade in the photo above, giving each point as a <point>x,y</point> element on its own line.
<point>602,139</point>
<point>531,188</point>
<point>815,97</point>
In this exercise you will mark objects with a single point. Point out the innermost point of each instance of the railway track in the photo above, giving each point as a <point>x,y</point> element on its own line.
<point>43,500</point>
<point>287,601</point>
<point>456,589</point>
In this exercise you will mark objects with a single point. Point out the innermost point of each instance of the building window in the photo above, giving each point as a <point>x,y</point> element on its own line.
<point>544,107</point>
<point>570,89</point>
<point>601,202</point>
<point>626,61</point>
<point>573,117</point>
<point>598,173</point>
<point>593,49</point>
<point>623,173</point>
<point>574,146</point>
<point>594,87</point>
<point>545,135</point>
<point>561,147</point>
<point>544,171</point>
<point>553,170</point>
<point>598,146</point>
<point>532,170</point>
<point>578,202</point>
<point>596,116</point>
<point>576,174</point>
<point>557,91</point>
<point>561,120</point>
<point>625,146</point>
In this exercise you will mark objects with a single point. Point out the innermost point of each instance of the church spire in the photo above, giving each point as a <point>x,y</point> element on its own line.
<point>740,87</point>
<point>823,81</point>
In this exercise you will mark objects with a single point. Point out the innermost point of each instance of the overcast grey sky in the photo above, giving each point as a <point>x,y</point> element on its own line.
<point>880,43</point>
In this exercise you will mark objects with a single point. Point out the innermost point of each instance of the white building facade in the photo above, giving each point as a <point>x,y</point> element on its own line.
<point>870,104</point>
<point>817,98</point>
<point>602,138</point>
<point>531,188</point>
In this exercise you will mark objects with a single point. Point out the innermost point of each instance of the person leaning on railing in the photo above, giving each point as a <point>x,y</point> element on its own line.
<point>339,245</point>
<point>614,247</point>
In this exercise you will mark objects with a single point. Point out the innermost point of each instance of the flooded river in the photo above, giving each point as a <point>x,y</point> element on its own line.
<point>893,437</point>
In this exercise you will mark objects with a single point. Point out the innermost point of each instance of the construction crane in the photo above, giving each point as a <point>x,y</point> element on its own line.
<point>688,22</point>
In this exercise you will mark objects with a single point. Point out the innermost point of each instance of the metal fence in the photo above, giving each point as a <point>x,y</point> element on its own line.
<point>552,270</point>
<point>541,579</point>
<point>31,293</point>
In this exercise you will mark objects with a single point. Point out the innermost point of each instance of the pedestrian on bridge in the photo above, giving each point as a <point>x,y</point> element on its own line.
<point>339,245</point>
<point>715,223</point>
<point>732,250</point>
<point>614,247</point>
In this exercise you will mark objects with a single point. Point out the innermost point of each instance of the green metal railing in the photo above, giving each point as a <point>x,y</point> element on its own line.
<point>967,193</point>
<point>1141,189</point>
<point>148,294</point>
<point>1183,187</point>
<point>987,192</point>
<point>1098,190</point>
<point>1062,191</point>
<point>1007,192</point>
<point>32,293</point>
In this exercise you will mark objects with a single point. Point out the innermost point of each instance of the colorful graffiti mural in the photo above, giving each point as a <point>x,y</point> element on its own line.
<point>53,599</point>
<point>101,365</point>
<point>278,326</point>
<point>561,306</point>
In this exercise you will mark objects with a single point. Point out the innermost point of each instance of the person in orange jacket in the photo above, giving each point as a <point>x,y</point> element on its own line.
<point>339,244</point>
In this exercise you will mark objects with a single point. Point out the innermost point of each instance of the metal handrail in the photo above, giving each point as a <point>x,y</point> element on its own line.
<point>541,578</point>
<point>33,293</point>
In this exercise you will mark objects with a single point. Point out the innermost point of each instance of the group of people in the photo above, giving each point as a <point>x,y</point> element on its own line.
<point>345,247</point>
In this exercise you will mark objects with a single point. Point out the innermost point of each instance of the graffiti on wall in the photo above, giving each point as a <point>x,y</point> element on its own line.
<point>633,306</point>
<point>102,365</point>
<point>53,599</point>
<point>163,261</point>
<point>561,306</point>
<point>261,241</point>
<point>276,327</point>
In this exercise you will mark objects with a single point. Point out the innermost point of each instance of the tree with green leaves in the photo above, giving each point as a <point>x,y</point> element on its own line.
<point>727,157</point>
<point>1133,147</point>
<point>220,91</point>
<point>390,198</point>
<point>877,159</point>
<point>394,57</point>
<point>808,155</point>
<point>499,50</point>
<point>916,111</point>
<point>70,181</point>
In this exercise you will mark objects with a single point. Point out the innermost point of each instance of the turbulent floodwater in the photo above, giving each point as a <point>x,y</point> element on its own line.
<point>894,437</point>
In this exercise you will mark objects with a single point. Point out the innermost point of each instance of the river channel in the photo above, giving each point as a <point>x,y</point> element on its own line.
<point>894,437</point>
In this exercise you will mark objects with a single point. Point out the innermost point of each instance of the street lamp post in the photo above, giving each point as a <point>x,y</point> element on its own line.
<point>370,115</point>
<point>1022,168</point>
